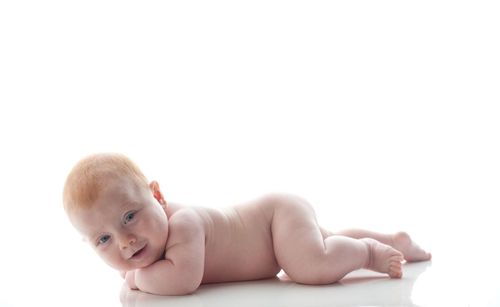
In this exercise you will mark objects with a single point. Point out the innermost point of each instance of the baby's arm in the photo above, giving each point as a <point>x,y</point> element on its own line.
<point>182,269</point>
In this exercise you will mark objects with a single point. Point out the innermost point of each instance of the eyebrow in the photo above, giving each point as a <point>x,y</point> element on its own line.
<point>130,202</point>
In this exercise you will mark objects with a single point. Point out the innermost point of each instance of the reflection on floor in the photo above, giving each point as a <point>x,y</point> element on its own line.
<point>359,288</point>
<point>454,277</point>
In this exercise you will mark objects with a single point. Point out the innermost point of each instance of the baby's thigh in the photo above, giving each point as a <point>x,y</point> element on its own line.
<point>296,234</point>
<point>290,210</point>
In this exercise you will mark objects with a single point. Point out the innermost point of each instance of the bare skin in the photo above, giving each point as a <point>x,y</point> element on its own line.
<point>250,241</point>
<point>257,239</point>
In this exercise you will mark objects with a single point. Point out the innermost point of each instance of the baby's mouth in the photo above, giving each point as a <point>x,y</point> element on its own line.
<point>137,255</point>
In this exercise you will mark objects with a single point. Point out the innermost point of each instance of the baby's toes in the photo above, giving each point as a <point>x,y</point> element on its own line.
<point>398,256</point>
<point>395,270</point>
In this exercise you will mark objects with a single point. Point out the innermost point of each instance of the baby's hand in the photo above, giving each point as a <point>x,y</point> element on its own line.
<point>130,280</point>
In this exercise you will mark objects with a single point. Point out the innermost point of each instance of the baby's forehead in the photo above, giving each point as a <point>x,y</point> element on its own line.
<point>115,201</point>
<point>121,190</point>
<point>111,200</point>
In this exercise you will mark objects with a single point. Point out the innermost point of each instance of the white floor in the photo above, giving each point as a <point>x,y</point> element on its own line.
<point>360,288</point>
<point>433,283</point>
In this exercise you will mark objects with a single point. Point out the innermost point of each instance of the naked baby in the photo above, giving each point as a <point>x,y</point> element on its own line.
<point>170,249</point>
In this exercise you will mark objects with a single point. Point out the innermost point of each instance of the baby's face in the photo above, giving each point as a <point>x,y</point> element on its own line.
<point>126,226</point>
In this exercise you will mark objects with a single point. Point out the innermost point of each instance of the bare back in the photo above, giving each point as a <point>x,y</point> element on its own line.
<point>238,242</point>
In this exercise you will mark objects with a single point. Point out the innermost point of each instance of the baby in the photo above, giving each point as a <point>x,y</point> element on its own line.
<point>169,249</point>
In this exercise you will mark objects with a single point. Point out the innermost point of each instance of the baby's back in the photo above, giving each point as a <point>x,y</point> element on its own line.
<point>239,243</point>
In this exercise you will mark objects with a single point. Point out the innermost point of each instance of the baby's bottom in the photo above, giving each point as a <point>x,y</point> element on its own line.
<point>311,255</point>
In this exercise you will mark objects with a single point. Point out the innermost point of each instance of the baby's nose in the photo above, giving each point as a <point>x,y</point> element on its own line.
<point>127,240</point>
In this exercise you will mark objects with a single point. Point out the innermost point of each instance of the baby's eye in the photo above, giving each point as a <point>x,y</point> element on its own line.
<point>129,217</point>
<point>103,239</point>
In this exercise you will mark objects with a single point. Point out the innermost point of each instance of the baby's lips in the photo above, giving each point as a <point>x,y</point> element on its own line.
<point>136,251</point>
<point>131,253</point>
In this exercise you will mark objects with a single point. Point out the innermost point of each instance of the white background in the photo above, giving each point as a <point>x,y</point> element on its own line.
<point>384,115</point>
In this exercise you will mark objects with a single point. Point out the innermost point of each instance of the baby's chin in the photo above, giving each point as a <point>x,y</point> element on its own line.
<point>126,268</point>
<point>140,261</point>
<point>142,264</point>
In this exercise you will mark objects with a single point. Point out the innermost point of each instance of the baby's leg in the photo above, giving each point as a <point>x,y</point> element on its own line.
<point>308,258</point>
<point>399,240</point>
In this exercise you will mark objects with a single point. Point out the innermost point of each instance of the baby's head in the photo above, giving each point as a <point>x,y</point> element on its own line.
<point>122,216</point>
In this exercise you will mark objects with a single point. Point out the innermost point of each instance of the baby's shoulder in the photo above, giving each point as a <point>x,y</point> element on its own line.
<point>185,222</point>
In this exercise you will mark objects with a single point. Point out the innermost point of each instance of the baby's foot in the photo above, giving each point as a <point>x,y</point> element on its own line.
<point>411,251</point>
<point>383,258</point>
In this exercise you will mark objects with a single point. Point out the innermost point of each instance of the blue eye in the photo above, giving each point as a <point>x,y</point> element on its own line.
<point>129,217</point>
<point>103,239</point>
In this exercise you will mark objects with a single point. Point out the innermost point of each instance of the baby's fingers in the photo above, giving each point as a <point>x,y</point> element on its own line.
<point>130,279</point>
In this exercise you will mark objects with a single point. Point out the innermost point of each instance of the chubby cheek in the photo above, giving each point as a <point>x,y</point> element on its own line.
<point>114,260</point>
<point>158,226</point>
<point>159,235</point>
<point>164,233</point>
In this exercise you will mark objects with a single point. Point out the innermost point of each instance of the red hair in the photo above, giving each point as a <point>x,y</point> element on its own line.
<point>88,177</point>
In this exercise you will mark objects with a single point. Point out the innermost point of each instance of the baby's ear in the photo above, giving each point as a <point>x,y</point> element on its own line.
<point>155,189</point>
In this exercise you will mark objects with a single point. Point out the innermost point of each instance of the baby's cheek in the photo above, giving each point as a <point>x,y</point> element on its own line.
<point>113,262</point>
